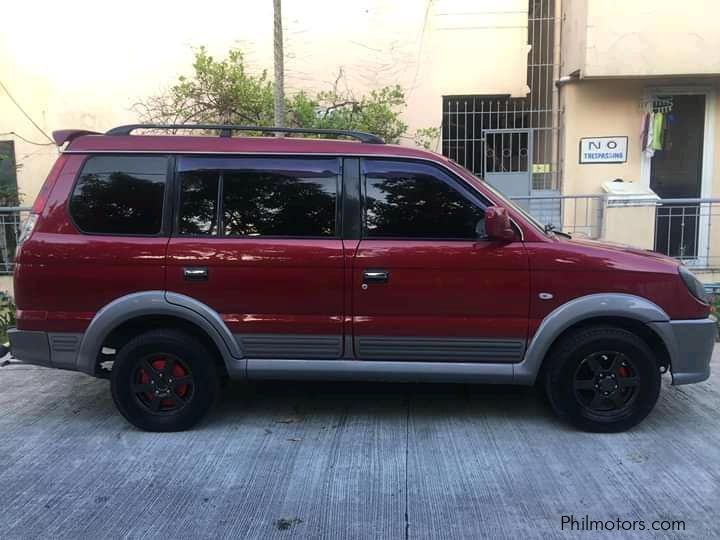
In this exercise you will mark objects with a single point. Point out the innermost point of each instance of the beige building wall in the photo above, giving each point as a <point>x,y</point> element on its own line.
<point>598,109</point>
<point>641,38</point>
<point>88,71</point>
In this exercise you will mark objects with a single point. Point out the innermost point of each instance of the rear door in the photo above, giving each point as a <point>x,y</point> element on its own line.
<point>257,239</point>
<point>427,286</point>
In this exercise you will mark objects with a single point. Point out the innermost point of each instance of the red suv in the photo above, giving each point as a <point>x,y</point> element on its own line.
<point>170,263</point>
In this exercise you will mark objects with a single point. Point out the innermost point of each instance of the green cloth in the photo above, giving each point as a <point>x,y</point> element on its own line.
<point>658,130</point>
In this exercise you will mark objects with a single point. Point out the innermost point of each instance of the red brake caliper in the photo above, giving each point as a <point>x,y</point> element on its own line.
<point>623,371</point>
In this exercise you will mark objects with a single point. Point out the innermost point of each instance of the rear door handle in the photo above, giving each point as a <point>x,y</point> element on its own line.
<point>375,276</point>
<point>195,273</point>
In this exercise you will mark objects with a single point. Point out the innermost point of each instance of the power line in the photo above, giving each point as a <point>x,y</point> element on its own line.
<point>14,134</point>
<point>25,113</point>
<point>420,47</point>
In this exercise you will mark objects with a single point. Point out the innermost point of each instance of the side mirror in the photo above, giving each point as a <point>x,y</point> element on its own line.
<point>498,226</point>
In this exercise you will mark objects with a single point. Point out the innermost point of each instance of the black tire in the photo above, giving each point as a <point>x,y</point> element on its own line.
<point>164,380</point>
<point>602,379</point>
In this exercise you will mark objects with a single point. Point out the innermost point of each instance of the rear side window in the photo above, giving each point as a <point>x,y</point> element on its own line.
<point>238,197</point>
<point>120,195</point>
<point>410,200</point>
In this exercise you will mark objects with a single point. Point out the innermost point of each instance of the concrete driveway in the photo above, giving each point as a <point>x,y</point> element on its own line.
<point>332,460</point>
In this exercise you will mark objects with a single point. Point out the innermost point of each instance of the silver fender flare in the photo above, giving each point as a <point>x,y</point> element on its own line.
<point>583,308</point>
<point>146,303</point>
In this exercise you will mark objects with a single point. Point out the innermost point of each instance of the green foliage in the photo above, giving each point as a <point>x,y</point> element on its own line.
<point>9,194</point>
<point>223,91</point>
<point>428,138</point>
<point>7,316</point>
<point>715,309</point>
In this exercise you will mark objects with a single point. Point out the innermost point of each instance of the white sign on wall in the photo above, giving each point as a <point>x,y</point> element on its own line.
<point>603,149</point>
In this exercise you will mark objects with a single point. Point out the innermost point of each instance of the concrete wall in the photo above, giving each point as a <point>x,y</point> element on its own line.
<point>574,36</point>
<point>642,38</point>
<point>85,65</point>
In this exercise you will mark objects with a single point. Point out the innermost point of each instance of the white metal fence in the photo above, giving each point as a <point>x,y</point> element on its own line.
<point>681,228</point>
<point>684,228</point>
<point>10,220</point>
<point>575,214</point>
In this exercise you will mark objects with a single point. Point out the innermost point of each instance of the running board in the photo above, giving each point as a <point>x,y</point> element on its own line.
<point>367,370</point>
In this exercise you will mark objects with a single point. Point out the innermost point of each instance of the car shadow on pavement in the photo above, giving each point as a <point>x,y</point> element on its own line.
<point>294,400</point>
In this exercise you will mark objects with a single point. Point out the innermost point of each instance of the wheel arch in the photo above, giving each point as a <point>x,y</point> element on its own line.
<point>152,308</point>
<point>623,310</point>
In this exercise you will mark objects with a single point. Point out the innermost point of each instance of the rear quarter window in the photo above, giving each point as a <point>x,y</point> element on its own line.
<point>120,195</point>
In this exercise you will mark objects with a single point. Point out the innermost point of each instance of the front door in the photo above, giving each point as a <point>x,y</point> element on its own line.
<point>508,162</point>
<point>676,173</point>
<point>427,285</point>
<point>257,240</point>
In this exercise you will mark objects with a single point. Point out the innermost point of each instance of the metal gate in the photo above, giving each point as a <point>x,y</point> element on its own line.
<point>508,160</point>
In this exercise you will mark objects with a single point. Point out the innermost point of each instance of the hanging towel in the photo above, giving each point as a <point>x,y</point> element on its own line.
<point>644,130</point>
<point>648,149</point>
<point>658,126</point>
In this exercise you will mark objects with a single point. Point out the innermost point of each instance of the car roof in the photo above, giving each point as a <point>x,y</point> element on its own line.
<point>240,144</point>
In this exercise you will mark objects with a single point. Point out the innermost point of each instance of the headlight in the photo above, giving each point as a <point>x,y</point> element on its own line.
<point>694,285</point>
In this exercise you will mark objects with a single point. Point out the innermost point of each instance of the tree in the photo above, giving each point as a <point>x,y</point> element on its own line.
<point>223,91</point>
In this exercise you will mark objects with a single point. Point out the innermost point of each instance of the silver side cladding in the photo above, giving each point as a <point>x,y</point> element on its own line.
<point>691,350</point>
<point>30,347</point>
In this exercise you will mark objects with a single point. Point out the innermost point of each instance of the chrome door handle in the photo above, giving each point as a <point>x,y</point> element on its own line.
<point>375,276</point>
<point>195,273</point>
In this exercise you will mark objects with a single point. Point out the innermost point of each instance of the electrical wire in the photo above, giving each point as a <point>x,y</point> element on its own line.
<point>26,140</point>
<point>421,44</point>
<point>25,113</point>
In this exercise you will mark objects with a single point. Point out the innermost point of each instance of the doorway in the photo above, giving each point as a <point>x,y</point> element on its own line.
<point>508,161</point>
<point>676,172</point>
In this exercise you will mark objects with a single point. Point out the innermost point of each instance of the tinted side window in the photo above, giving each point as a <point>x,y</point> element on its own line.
<point>260,196</point>
<point>198,201</point>
<point>415,200</point>
<point>120,195</point>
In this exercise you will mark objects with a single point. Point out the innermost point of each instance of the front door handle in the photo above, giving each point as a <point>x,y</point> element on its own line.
<point>375,276</point>
<point>195,273</point>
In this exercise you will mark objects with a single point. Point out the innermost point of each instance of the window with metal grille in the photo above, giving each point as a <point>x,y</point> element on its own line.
<point>468,118</point>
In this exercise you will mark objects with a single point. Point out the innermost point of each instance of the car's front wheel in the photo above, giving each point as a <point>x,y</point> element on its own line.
<point>164,380</point>
<point>602,379</point>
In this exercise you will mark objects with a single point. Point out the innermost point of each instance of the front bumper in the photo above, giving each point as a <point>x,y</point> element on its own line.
<point>690,346</point>
<point>49,349</point>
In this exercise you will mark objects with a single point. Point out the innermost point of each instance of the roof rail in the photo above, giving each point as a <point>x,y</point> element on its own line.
<point>227,129</point>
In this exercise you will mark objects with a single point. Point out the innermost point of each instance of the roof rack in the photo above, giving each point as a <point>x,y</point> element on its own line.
<point>227,129</point>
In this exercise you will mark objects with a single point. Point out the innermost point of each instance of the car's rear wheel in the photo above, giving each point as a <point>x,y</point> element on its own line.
<point>602,379</point>
<point>164,380</point>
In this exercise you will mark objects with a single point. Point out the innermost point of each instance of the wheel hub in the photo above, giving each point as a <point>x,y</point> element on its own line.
<point>606,382</point>
<point>163,383</point>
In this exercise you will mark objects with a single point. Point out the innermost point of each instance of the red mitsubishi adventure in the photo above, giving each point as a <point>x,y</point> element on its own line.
<point>169,263</point>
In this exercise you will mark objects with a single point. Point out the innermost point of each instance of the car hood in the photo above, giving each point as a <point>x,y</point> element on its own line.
<point>621,248</point>
<point>619,256</point>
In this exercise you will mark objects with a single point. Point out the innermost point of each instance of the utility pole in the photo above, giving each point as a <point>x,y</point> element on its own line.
<point>279,67</point>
